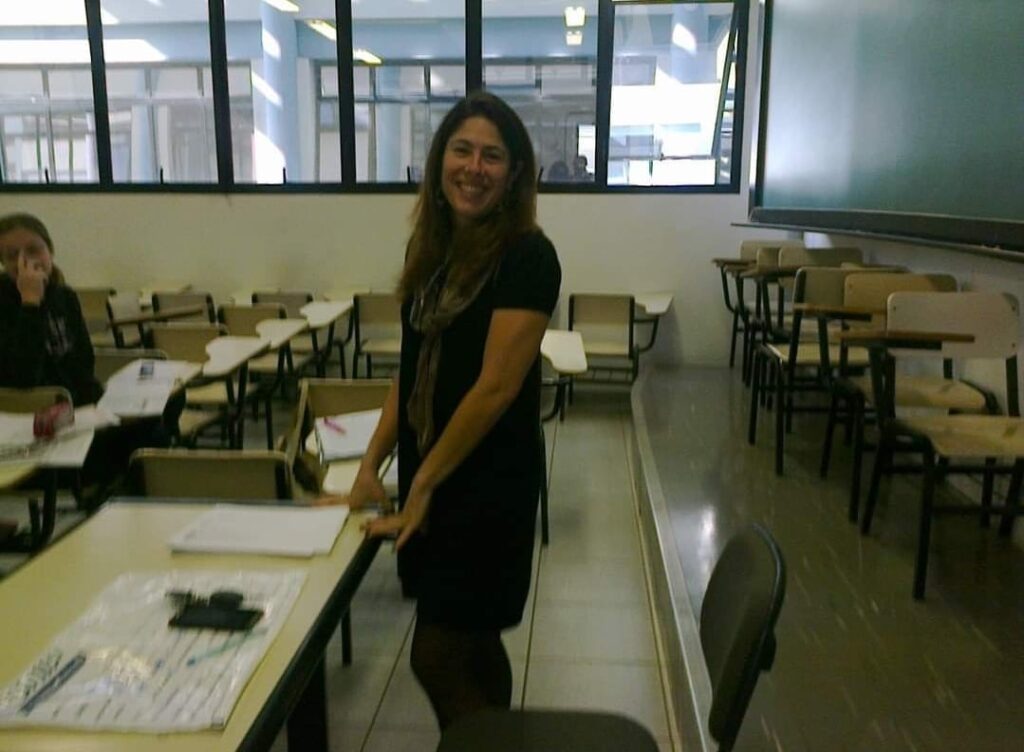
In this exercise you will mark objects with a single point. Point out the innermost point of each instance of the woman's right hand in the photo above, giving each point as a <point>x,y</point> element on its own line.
<point>31,280</point>
<point>367,490</point>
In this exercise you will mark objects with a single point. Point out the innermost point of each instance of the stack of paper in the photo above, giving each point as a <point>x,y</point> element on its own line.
<point>346,436</point>
<point>278,531</point>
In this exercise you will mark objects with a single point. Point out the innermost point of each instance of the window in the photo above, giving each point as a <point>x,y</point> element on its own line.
<point>542,60</point>
<point>410,68</point>
<point>47,118</point>
<point>281,50</point>
<point>159,92</point>
<point>672,94</point>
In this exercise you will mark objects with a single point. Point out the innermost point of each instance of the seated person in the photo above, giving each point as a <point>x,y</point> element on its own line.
<point>44,341</point>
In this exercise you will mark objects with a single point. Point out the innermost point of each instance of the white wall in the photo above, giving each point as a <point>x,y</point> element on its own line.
<point>227,243</point>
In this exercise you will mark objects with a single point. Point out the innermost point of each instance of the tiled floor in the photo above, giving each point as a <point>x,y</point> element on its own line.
<point>586,640</point>
<point>860,665</point>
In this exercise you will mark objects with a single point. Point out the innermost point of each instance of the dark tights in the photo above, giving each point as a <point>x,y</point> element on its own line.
<point>462,670</point>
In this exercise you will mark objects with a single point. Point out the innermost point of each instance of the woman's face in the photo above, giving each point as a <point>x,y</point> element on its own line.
<point>475,170</point>
<point>20,242</point>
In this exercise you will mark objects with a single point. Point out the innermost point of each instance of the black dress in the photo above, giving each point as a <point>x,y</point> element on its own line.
<point>470,567</point>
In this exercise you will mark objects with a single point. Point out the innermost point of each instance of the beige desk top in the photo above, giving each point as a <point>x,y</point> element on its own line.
<point>227,354</point>
<point>654,303</point>
<point>564,351</point>
<point>321,313</point>
<point>12,473</point>
<point>56,587</point>
<point>276,332</point>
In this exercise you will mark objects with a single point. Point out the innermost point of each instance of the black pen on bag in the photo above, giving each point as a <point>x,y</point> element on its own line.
<point>57,681</point>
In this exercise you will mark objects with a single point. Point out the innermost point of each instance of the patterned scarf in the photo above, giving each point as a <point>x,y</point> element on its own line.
<point>433,310</point>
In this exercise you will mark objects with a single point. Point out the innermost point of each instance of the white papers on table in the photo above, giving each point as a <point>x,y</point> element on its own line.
<point>130,394</point>
<point>278,531</point>
<point>342,473</point>
<point>346,436</point>
<point>121,667</point>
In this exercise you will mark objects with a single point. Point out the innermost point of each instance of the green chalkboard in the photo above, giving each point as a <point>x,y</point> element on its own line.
<point>907,107</point>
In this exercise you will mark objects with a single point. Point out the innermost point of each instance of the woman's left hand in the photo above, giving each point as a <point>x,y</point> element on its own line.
<point>405,523</point>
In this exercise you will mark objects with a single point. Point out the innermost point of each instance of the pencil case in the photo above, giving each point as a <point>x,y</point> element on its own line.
<point>47,422</point>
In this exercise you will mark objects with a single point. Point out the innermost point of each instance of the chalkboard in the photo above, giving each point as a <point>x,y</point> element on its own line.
<point>895,116</point>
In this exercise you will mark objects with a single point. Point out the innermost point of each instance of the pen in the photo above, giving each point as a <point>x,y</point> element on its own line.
<point>57,681</point>
<point>224,647</point>
<point>334,425</point>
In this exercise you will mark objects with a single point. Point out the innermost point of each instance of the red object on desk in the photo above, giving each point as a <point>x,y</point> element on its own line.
<point>46,423</point>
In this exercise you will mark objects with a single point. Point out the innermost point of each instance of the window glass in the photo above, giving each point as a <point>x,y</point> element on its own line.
<point>671,111</point>
<point>159,91</point>
<point>541,57</point>
<point>283,58</point>
<point>410,69</point>
<point>47,118</point>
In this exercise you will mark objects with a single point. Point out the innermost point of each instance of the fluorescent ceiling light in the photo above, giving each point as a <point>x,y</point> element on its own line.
<point>575,17</point>
<point>323,28</point>
<point>574,38</point>
<point>365,56</point>
<point>286,6</point>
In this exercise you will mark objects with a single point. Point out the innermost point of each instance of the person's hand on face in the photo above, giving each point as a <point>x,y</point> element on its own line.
<point>32,278</point>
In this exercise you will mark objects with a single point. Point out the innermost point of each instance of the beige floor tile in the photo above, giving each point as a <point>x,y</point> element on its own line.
<point>603,581</point>
<point>354,692</point>
<point>405,703</point>
<point>385,739</point>
<point>592,632</point>
<point>631,689</point>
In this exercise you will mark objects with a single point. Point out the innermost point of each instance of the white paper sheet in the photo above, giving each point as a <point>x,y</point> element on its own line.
<point>67,449</point>
<point>131,395</point>
<point>345,436</point>
<point>278,531</point>
<point>121,667</point>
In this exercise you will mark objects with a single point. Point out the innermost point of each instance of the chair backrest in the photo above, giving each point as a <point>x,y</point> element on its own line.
<point>737,625</point>
<point>110,360</point>
<point>604,318</point>
<point>798,256</point>
<point>211,474</point>
<point>872,290</point>
<point>163,301</point>
<point>749,248</point>
<point>94,307</point>
<point>241,320</point>
<point>32,400</point>
<point>185,341</point>
<point>991,317</point>
<point>378,315</point>
<point>292,301</point>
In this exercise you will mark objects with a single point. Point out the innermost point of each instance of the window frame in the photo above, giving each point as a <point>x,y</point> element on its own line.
<point>347,100</point>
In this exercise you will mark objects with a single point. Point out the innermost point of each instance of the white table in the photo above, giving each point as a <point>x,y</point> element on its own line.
<point>52,590</point>
<point>563,350</point>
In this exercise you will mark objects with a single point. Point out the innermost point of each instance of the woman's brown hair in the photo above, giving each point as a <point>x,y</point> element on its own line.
<point>32,223</point>
<point>472,249</point>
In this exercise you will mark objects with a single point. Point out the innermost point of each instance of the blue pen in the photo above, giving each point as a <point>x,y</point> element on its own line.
<point>57,681</point>
<point>224,647</point>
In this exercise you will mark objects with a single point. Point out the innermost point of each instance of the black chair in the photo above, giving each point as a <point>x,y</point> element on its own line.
<point>737,634</point>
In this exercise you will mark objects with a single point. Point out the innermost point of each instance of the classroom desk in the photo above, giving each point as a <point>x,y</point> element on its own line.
<point>226,356</point>
<point>563,350</point>
<point>56,587</point>
<point>652,306</point>
<point>146,293</point>
<point>321,314</point>
<point>278,332</point>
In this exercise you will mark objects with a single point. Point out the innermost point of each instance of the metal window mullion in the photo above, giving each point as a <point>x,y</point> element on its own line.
<point>474,46</point>
<point>605,61</point>
<point>346,91</point>
<point>104,158</point>
<point>51,152</point>
<point>221,95</point>
<point>739,93</point>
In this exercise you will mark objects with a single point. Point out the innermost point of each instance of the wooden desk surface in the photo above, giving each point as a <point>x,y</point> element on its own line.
<point>564,351</point>
<point>321,313</point>
<point>52,590</point>
<point>276,332</point>
<point>227,354</point>
<point>12,473</point>
<point>654,303</point>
